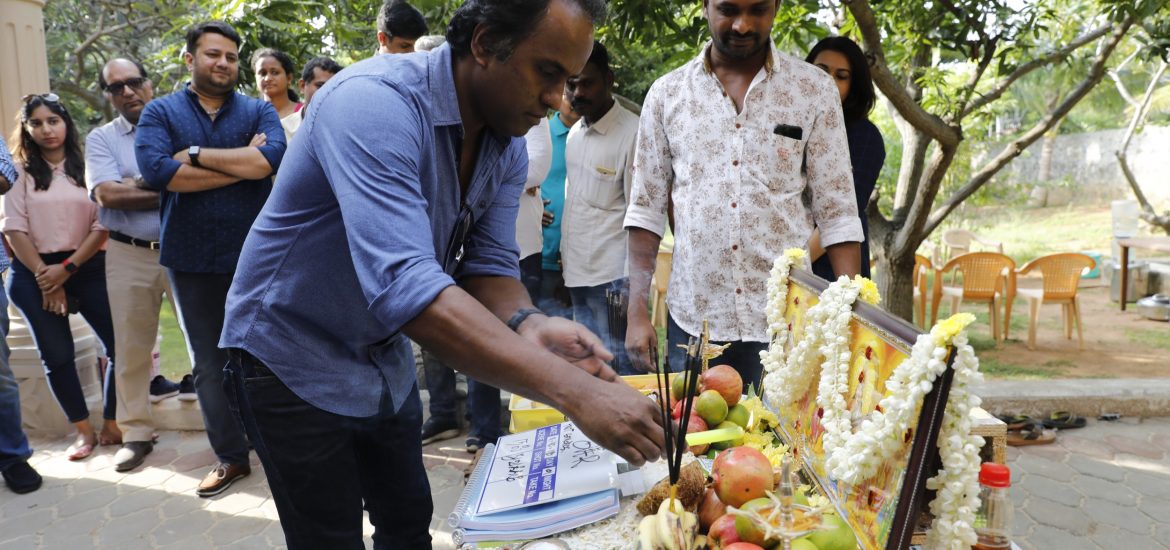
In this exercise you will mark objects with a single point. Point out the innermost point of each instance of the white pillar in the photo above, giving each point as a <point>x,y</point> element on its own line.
<point>24,65</point>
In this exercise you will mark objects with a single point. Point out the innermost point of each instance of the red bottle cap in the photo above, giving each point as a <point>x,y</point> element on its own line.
<point>995,475</point>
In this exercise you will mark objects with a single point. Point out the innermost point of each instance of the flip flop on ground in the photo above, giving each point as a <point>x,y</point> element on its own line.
<point>1033,433</point>
<point>1064,420</point>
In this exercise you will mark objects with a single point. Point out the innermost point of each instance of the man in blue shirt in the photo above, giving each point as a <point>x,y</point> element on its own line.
<point>211,151</point>
<point>18,475</point>
<point>394,216</point>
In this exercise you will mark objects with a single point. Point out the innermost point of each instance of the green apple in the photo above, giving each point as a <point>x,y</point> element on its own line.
<point>836,536</point>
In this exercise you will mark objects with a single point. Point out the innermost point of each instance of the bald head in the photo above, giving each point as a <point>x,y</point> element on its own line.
<point>126,86</point>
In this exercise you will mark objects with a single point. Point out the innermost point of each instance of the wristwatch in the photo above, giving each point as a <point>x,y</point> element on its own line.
<point>193,152</point>
<point>69,266</point>
<point>521,316</point>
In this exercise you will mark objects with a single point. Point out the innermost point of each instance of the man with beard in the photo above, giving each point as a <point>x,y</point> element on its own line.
<point>135,281</point>
<point>211,151</point>
<point>599,158</point>
<point>395,217</point>
<point>729,143</point>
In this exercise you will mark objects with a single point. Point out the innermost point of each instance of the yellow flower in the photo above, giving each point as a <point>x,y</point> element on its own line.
<point>795,254</point>
<point>766,443</point>
<point>946,329</point>
<point>760,419</point>
<point>869,290</point>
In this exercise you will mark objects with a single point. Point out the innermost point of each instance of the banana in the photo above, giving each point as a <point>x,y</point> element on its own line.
<point>647,533</point>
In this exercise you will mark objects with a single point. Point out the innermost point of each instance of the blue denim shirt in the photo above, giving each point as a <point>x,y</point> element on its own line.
<point>202,232</point>
<point>8,170</point>
<point>352,242</point>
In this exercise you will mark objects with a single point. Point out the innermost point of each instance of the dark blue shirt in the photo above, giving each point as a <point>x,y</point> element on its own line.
<point>202,232</point>
<point>8,170</point>
<point>867,151</point>
<point>352,242</point>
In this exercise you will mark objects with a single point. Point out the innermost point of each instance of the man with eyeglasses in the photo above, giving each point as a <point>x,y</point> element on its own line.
<point>135,281</point>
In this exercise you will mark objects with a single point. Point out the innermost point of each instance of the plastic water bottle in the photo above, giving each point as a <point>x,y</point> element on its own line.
<point>993,522</point>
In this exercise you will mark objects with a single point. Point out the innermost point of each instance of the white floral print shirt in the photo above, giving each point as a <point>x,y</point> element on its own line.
<point>743,186</point>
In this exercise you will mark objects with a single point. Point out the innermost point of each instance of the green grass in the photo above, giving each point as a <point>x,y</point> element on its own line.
<point>173,350</point>
<point>1027,234</point>
<point>997,369</point>
<point>1159,339</point>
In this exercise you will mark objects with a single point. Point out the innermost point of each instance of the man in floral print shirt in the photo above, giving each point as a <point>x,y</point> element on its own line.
<point>728,145</point>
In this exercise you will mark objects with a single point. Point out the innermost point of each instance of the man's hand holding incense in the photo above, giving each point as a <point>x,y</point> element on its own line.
<point>572,342</point>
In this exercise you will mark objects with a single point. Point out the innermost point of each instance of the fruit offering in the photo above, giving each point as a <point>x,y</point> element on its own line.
<point>672,528</point>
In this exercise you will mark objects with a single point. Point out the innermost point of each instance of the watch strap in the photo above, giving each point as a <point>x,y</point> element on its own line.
<point>520,316</point>
<point>69,266</point>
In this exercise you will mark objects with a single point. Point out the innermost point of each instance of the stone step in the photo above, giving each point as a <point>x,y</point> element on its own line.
<point>1144,398</point>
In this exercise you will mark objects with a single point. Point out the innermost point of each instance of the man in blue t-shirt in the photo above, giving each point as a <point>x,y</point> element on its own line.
<point>212,152</point>
<point>554,297</point>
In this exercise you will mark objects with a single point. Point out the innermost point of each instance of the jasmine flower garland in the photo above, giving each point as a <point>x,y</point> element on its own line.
<point>854,457</point>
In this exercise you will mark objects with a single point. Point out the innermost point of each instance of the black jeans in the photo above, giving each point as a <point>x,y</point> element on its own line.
<point>322,467</point>
<point>53,336</point>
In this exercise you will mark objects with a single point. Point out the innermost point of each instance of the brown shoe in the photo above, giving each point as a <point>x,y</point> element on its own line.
<point>221,477</point>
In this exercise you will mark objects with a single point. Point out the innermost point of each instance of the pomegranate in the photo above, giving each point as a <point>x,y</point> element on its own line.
<point>724,380</point>
<point>741,474</point>
<point>710,509</point>
<point>722,532</point>
<point>743,546</point>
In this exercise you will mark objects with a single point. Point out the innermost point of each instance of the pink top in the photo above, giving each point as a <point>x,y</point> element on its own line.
<point>57,219</point>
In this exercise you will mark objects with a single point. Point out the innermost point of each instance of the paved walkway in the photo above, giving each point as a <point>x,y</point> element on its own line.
<point>1106,486</point>
<point>88,505</point>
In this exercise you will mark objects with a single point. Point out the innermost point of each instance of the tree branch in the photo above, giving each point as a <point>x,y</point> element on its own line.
<point>1139,115</point>
<point>1042,61</point>
<point>930,124</point>
<point>1096,73</point>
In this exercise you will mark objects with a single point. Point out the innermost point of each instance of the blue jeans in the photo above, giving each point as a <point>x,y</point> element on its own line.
<point>52,333</point>
<point>483,401</point>
<point>590,309</point>
<point>744,357</point>
<point>14,446</point>
<point>530,276</point>
<point>322,467</point>
<point>199,301</point>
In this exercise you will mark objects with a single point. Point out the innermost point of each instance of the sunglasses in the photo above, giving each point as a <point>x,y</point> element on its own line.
<point>49,97</point>
<point>456,247</point>
<point>116,88</point>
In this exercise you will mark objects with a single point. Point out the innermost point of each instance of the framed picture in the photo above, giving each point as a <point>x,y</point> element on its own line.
<point>882,511</point>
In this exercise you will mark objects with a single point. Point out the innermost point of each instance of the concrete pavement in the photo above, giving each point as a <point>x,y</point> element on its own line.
<point>1105,486</point>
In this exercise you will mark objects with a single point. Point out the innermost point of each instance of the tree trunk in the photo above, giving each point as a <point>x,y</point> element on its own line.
<point>895,280</point>
<point>1049,144</point>
<point>914,146</point>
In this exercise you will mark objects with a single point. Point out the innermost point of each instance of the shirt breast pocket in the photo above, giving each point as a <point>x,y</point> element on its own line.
<point>783,160</point>
<point>603,189</point>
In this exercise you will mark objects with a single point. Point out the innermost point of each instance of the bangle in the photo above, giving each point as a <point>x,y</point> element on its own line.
<point>520,316</point>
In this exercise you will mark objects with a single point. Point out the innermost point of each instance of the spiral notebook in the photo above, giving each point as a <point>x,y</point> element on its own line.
<point>534,484</point>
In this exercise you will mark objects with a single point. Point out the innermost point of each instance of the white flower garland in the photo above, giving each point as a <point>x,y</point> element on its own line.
<point>854,457</point>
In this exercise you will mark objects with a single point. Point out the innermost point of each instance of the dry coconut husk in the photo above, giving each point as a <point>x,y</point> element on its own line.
<point>692,483</point>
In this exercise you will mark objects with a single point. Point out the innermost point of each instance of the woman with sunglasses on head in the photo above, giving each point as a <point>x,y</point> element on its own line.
<point>59,268</point>
<point>847,65</point>
<point>274,76</point>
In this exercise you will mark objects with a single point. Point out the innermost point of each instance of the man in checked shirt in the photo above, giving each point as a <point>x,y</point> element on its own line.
<point>727,146</point>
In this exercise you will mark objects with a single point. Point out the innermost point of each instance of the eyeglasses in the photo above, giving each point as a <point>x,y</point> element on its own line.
<point>49,97</point>
<point>116,88</point>
<point>457,245</point>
